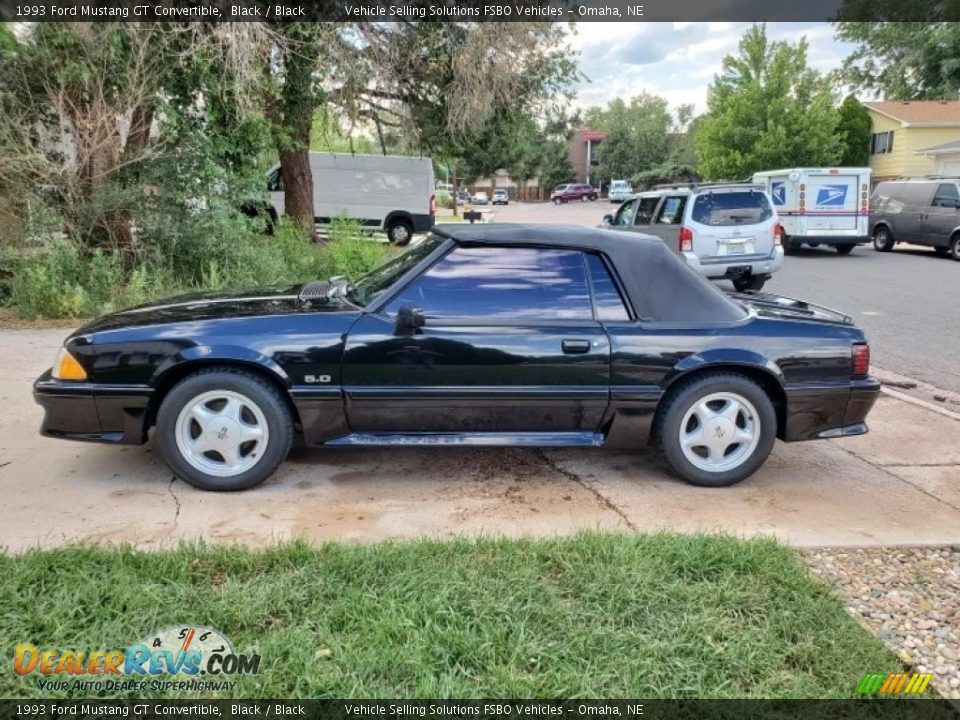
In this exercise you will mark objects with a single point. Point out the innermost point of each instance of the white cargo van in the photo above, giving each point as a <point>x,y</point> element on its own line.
<point>820,206</point>
<point>388,192</point>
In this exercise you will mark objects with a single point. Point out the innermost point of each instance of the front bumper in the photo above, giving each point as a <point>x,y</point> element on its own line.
<point>736,265</point>
<point>91,412</point>
<point>829,411</point>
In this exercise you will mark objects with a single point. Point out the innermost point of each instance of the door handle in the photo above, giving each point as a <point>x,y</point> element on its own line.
<point>574,347</point>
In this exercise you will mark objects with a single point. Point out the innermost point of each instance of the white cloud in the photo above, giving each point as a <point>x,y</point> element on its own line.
<point>677,61</point>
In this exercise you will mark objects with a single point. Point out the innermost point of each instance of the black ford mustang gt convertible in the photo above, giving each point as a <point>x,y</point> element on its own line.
<point>500,334</point>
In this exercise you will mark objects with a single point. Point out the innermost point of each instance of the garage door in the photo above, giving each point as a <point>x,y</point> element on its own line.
<point>949,166</point>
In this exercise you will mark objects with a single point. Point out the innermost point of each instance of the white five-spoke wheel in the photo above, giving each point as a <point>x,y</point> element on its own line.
<point>224,428</point>
<point>720,432</point>
<point>716,429</point>
<point>222,433</point>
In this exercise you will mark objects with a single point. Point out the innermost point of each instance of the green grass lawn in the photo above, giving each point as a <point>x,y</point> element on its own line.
<point>590,616</point>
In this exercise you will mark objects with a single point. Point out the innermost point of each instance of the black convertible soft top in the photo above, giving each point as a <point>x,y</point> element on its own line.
<point>660,285</point>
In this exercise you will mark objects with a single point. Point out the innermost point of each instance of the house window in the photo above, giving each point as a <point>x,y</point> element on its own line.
<point>881,143</point>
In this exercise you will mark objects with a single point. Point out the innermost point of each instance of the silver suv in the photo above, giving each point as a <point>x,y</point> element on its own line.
<point>723,231</point>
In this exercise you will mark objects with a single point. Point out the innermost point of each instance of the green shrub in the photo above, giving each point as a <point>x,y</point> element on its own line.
<point>61,280</point>
<point>352,252</point>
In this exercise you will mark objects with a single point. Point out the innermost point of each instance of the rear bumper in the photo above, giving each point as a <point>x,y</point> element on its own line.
<point>92,412</point>
<point>829,411</point>
<point>735,266</point>
<point>422,222</point>
<point>835,240</point>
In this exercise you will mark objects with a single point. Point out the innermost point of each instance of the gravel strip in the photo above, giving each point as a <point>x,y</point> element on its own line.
<point>908,596</point>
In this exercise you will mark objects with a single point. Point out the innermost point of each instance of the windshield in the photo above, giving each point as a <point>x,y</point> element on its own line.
<point>373,284</point>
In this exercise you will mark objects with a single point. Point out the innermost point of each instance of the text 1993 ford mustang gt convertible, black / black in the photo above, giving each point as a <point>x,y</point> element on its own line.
<point>480,335</point>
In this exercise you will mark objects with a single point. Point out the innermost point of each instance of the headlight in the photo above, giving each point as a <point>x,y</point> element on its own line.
<point>66,367</point>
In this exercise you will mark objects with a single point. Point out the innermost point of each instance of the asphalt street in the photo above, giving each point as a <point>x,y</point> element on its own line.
<point>905,300</point>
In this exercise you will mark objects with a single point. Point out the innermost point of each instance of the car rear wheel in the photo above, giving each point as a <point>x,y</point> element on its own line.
<point>752,282</point>
<point>845,249</point>
<point>717,429</point>
<point>224,429</point>
<point>790,246</point>
<point>400,232</point>
<point>882,239</point>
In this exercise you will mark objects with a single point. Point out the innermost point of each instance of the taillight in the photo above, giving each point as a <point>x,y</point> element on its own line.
<point>686,239</point>
<point>861,359</point>
<point>433,204</point>
<point>777,234</point>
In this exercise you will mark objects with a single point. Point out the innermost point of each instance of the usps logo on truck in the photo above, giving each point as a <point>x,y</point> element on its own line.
<point>832,196</point>
<point>778,191</point>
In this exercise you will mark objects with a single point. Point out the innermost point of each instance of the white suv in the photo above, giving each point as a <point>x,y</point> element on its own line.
<point>723,231</point>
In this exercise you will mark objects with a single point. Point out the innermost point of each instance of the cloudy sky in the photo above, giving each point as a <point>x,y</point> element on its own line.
<point>677,60</point>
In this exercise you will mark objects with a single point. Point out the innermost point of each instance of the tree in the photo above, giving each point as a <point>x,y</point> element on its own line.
<point>637,134</point>
<point>767,109</point>
<point>903,60</point>
<point>436,83</point>
<point>854,130</point>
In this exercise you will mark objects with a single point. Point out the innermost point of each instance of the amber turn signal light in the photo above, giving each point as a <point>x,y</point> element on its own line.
<point>66,367</point>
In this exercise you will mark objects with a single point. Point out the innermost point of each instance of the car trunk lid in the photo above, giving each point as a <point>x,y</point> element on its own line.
<point>779,306</point>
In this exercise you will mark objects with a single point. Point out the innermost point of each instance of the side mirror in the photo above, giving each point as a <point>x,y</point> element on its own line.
<point>608,219</point>
<point>409,320</point>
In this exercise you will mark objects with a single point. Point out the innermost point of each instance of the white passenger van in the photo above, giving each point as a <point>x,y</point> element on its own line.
<point>387,192</point>
<point>821,206</point>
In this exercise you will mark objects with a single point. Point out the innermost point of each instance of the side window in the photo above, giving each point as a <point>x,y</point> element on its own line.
<point>671,212</point>
<point>606,297</point>
<point>624,216</point>
<point>502,283</point>
<point>645,211</point>
<point>947,196</point>
<point>275,181</point>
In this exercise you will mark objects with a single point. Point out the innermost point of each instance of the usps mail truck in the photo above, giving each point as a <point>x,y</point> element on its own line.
<point>821,206</point>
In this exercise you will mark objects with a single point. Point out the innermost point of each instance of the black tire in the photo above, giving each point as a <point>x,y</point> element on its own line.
<point>680,400</point>
<point>557,201</point>
<point>400,232</point>
<point>882,239</point>
<point>262,393</point>
<point>789,246</point>
<point>955,247</point>
<point>844,249</point>
<point>753,282</point>
<point>584,198</point>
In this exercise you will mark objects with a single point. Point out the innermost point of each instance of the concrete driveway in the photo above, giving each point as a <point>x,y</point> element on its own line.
<point>898,485</point>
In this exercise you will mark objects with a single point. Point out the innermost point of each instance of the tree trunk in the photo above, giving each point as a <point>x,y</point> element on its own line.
<point>456,191</point>
<point>298,103</point>
<point>139,135</point>
<point>298,188</point>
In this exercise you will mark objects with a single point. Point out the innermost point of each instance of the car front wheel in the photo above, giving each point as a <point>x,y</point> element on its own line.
<point>717,429</point>
<point>955,247</point>
<point>224,429</point>
<point>557,201</point>
<point>882,239</point>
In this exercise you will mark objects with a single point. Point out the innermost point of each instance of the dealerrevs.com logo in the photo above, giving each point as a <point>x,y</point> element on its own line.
<point>171,659</point>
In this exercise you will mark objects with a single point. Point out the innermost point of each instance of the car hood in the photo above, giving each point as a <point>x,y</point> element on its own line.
<point>222,304</point>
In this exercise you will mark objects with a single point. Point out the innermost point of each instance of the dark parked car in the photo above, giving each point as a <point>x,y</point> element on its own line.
<point>924,211</point>
<point>574,191</point>
<point>495,334</point>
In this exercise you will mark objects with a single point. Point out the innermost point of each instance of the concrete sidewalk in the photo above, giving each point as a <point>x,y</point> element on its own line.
<point>898,485</point>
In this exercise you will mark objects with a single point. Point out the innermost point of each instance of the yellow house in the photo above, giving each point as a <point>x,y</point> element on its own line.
<point>903,131</point>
